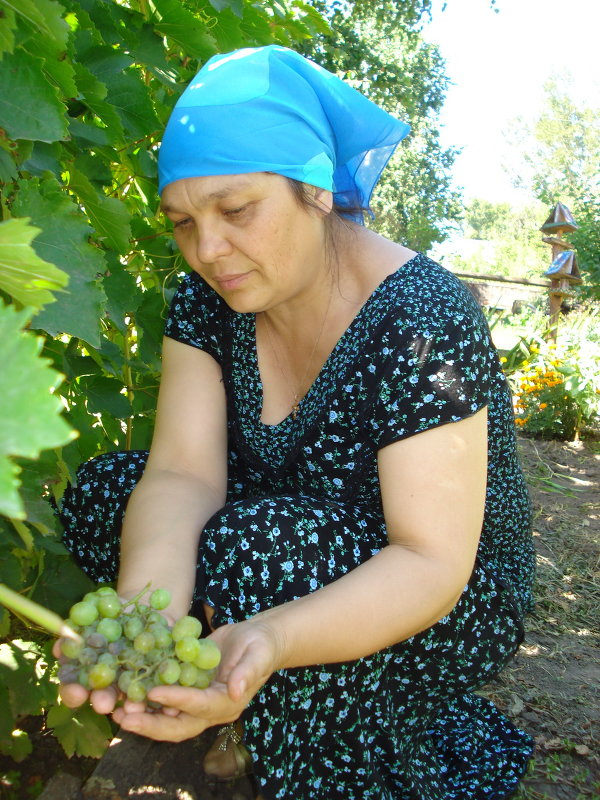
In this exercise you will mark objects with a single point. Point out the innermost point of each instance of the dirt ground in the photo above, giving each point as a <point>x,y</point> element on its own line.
<point>552,688</point>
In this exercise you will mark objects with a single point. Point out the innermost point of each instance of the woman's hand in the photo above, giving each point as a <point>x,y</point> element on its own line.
<point>74,695</point>
<point>251,652</point>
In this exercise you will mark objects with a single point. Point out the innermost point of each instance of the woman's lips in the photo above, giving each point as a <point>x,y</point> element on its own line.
<point>231,281</point>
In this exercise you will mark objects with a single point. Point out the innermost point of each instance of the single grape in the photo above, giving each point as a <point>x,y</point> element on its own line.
<point>162,635</point>
<point>155,618</point>
<point>204,679</point>
<point>144,642</point>
<point>108,658</point>
<point>131,658</point>
<point>110,628</point>
<point>133,627</point>
<point>91,597</point>
<point>117,647</point>
<point>188,674</point>
<point>105,591</point>
<point>209,654</point>
<point>68,673</point>
<point>187,648</point>
<point>83,613</point>
<point>96,640</point>
<point>109,605</point>
<point>70,648</point>
<point>136,691</point>
<point>125,679</point>
<point>101,675</point>
<point>186,626</point>
<point>160,598</point>
<point>82,678</point>
<point>88,656</point>
<point>168,671</point>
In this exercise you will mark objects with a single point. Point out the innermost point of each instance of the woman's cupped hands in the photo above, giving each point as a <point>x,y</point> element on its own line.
<point>250,653</point>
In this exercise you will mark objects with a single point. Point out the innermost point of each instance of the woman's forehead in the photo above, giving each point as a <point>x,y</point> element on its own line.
<point>207,189</point>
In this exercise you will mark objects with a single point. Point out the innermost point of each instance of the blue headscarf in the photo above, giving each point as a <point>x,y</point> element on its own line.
<point>269,109</point>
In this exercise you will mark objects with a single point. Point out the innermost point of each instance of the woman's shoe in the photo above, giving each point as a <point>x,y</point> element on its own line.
<point>227,758</point>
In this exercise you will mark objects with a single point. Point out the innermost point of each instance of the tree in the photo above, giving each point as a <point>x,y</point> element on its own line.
<point>559,161</point>
<point>378,48</point>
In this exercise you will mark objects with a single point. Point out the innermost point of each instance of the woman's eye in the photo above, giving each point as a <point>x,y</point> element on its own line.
<point>181,223</point>
<point>235,212</point>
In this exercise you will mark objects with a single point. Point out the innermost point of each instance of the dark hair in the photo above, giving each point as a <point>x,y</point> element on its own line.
<point>303,195</point>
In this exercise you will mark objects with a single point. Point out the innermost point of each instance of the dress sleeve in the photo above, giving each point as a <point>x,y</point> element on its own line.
<point>432,373</point>
<point>196,316</point>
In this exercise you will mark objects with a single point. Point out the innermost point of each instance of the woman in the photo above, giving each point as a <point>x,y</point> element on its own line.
<point>333,474</point>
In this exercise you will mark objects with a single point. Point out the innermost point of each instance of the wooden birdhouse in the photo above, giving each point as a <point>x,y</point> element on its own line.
<point>563,273</point>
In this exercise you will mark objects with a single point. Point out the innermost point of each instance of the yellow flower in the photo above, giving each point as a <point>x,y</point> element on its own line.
<point>543,405</point>
<point>503,359</point>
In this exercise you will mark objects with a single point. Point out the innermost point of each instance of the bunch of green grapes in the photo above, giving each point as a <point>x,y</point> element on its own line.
<point>129,645</point>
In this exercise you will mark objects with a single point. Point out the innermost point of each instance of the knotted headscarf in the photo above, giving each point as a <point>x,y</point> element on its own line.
<point>269,109</point>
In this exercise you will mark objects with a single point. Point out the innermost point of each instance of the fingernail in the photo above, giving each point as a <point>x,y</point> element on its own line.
<point>242,687</point>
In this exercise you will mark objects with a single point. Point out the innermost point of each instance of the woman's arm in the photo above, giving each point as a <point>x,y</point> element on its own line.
<point>184,482</point>
<point>433,491</point>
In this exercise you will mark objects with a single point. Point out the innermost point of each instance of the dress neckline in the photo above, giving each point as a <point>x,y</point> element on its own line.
<point>288,421</point>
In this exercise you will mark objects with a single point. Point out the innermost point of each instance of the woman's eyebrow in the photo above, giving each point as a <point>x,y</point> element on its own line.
<point>218,194</point>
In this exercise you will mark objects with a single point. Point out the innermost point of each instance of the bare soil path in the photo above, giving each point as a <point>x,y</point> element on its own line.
<point>552,688</point>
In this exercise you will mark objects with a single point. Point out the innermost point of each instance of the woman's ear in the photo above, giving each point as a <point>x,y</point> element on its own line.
<point>323,199</point>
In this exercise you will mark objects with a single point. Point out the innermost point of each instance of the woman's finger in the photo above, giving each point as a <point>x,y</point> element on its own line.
<point>162,727</point>
<point>103,700</point>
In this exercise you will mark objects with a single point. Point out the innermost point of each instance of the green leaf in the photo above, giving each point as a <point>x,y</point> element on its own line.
<point>65,240</point>
<point>29,413</point>
<point>43,15</point>
<point>63,582</point>
<point>43,116</point>
<point>131,99</point>
<point>4,631</point>
<point>108,215</point>
<point>18,747</point>
<point>104,396</point>
<point>81,731</point>
<point>8,168</point>
<point>17,673</point>
<point>188,31</point>
<point>94,92</point>
<point>123,296</point>
<point>44,158</point>
<point>23,274</point>
<point>237,6</point>
<point>8,23</point>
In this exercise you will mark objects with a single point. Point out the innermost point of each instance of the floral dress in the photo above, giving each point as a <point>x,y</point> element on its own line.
<point>304,507</point>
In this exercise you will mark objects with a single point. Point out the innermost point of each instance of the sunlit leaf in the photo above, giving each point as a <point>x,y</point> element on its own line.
<point>23,274</point>
<point>81,731</point>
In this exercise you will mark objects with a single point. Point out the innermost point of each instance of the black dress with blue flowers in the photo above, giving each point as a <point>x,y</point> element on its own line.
<point>304,507</point>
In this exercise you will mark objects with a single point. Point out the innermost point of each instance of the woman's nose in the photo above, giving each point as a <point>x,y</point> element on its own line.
<point>211,243</point>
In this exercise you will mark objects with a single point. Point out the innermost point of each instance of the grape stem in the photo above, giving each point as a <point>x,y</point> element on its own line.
<point>22,606</point>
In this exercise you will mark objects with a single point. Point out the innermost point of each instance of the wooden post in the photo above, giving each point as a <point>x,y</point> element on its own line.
<point>563,271</point>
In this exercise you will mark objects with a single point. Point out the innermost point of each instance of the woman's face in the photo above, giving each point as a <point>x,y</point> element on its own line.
<point>248,237</point>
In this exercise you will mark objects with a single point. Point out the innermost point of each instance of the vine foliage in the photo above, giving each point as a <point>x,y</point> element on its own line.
<point>87,271</point>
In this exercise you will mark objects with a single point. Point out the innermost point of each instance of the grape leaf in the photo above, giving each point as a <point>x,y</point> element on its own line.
<point>64,240</point>
<point>43,116</point>
<point>131,99</point>
<point>184,28</point>
<point>108,215</point>
<point>104,396</point>
<point>8,23</point>
<point>23,274</point>
<point>94,93</point>
<point>123,296</point>
<point>81,731</point>
<point>29,413</point>
<point>45,16</point>
<point>18,746</point>
<point>8,168</point>
<point>237,6</point>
